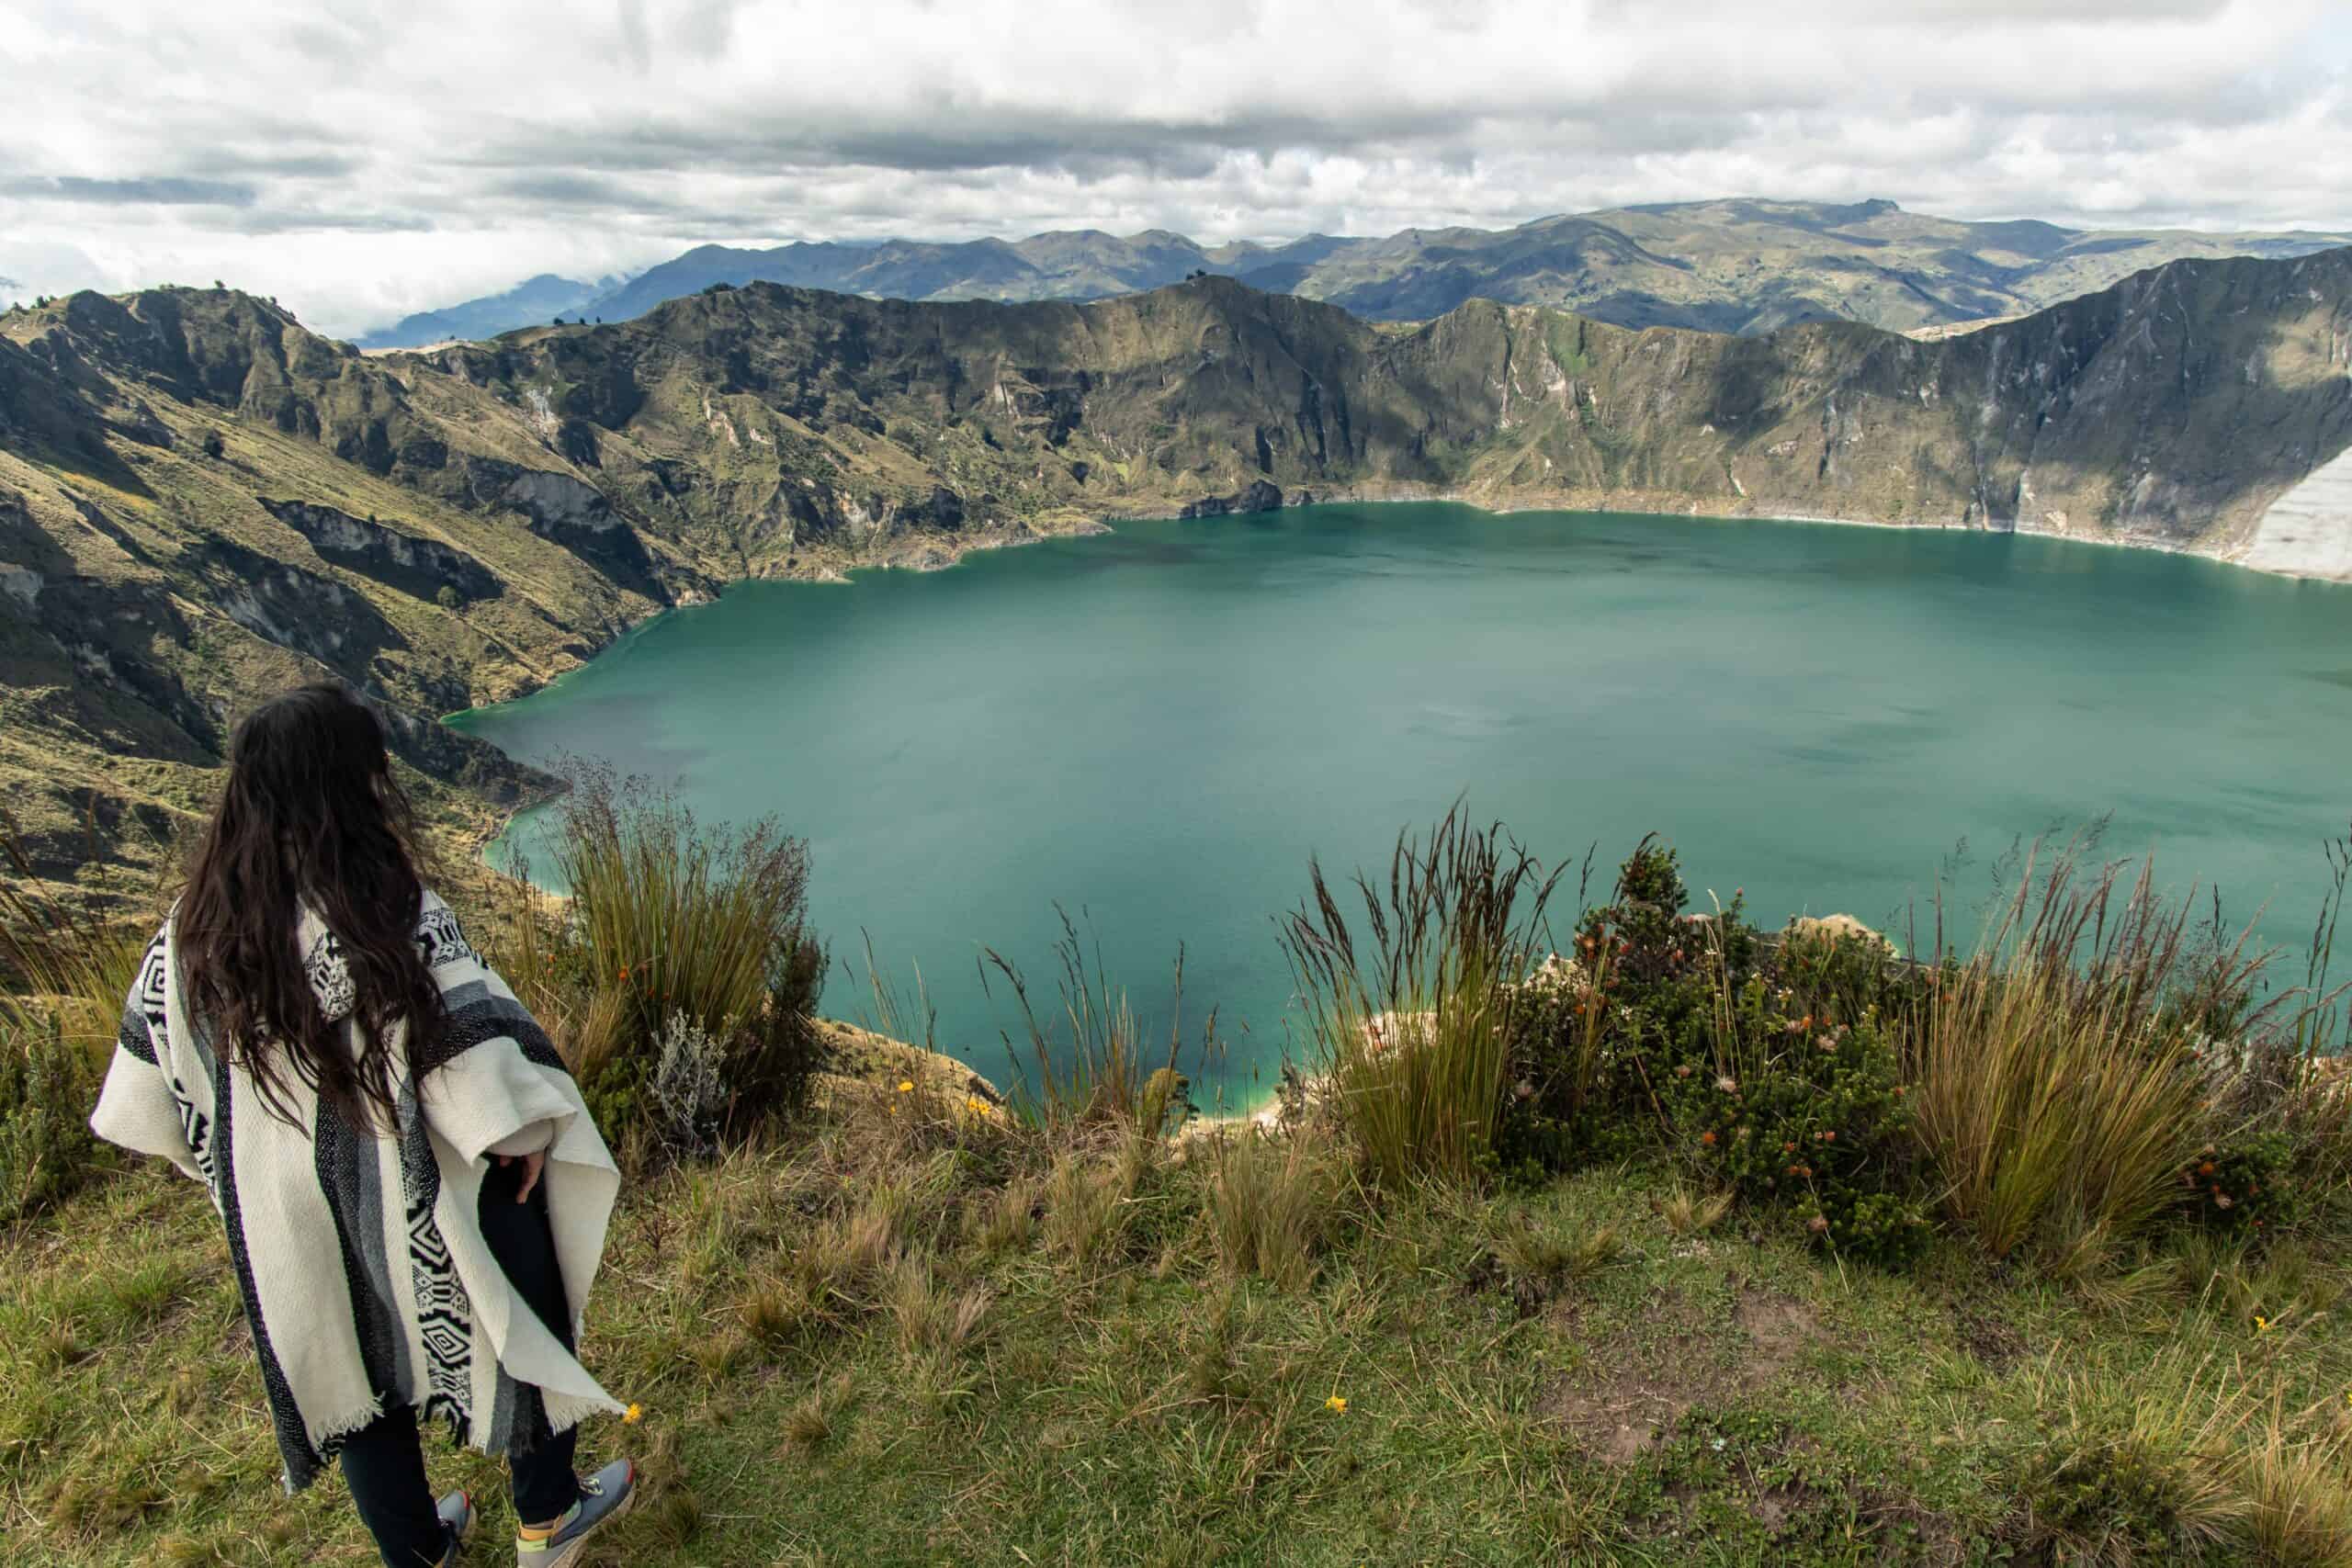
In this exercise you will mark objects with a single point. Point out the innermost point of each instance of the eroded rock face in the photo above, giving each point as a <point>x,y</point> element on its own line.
<point>415,566</point>
<point>1262,496</point>
<point>296,609</point>
<point>551,500</point>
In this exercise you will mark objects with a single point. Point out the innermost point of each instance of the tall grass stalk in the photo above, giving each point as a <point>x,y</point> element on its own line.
<point>2055,1079</point>
<point>1413,1022</point>
<point>1092,1062</point>
<point>62,958</point>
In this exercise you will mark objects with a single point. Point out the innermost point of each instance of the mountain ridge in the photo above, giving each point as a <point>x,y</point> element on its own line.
<point>201,500</point>
<point>1733,265</point>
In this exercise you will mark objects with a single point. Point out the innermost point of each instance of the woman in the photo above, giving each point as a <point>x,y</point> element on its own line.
<point>414,1196</point>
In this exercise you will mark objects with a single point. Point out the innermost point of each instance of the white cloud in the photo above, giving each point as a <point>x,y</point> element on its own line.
<point>358,159</point>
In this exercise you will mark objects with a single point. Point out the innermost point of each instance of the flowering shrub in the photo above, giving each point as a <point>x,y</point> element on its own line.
<point>1815,1122</point>
<point>2246,1181</point>
<point>1769,1068</point>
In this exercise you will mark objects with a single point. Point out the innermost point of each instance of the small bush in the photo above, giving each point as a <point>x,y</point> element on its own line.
<point>48,1085</point>
<point>2247,1181</point>
<point>689,1091</point>
<point>1765,1069</point>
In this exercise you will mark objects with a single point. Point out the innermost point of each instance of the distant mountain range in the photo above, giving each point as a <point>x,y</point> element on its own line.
<point>1732,265</point>
<point>532,303</point>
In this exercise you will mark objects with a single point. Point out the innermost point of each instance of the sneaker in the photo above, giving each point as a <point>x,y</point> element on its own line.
<point>604,1497</point>
<point>457,1512</point>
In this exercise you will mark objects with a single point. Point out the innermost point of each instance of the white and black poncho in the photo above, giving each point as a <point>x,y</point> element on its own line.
<point>360,1257</point>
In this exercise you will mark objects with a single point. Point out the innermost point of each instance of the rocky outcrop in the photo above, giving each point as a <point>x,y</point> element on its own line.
<point>2307,532</point>
<point>1260,496</point>
<point>417,566</point>
<point>306,611</point>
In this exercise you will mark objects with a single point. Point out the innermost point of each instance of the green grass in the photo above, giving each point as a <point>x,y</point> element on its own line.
<point>901,1334</point>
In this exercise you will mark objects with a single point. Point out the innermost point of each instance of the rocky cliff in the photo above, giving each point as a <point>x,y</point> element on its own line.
<point>201,500</point>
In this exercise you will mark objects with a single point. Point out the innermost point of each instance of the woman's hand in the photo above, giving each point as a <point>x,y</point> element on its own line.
<point>532,1165</point>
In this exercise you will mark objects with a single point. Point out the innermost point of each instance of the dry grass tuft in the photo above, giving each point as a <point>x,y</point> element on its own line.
<point>1694,1213</point>
<point>1271,1202</point>
<point>2055,1079</point>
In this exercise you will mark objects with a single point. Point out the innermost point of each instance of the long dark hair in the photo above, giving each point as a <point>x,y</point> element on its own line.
<point>311,813</point>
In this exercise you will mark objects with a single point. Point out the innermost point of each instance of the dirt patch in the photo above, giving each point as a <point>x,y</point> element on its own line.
<point>1778,1329</point>
<point>1986,1337</point>
<point>1624,1413</point>
<point>1641,1390</point>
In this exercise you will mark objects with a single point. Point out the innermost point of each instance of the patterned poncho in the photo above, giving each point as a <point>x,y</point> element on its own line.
<point>360,1257</point>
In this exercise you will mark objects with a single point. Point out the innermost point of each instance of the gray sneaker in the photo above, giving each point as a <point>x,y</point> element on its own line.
<point>457,1512</point>
<point>604,1497</point>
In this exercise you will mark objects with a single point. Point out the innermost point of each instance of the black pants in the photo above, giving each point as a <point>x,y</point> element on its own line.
<point>384,1464</point>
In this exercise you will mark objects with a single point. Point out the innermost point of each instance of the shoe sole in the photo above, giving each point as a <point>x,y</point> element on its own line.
<point>571,1553</point>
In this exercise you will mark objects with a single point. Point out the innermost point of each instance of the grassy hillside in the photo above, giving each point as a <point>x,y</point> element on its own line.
<point>1102,1385</point>
<point>918,1323</point>
<point>200,500</point>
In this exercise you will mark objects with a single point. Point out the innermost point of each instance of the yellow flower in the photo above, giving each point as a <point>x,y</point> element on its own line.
<point>2261,1324</point>
<point>1336,1406</point>
<point>632,1415</point>
<point>906,1086</point>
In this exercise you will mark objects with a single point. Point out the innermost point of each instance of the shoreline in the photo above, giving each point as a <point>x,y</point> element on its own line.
<point>2231,556</point>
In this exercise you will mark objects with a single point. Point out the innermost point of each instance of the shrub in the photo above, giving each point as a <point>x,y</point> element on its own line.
<point>672,917</point>
<point>2247,1181</point>
<point>1766,1067</point>
<point>689,1091</point>
<point>1415,1026</point>
<point>1812,1119</point>
<point>48,1084</point>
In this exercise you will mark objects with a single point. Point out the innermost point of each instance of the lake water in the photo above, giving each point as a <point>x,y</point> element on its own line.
<point>1158,726</point>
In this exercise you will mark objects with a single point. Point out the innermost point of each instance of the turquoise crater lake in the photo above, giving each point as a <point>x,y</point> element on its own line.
<point>1156,727</point>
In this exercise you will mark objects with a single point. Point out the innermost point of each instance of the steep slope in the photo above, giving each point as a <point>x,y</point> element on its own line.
<point>200,500</point>
<point>1736,265</point>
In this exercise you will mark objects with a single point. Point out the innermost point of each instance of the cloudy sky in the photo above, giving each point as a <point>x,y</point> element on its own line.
<point>363,160</point>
